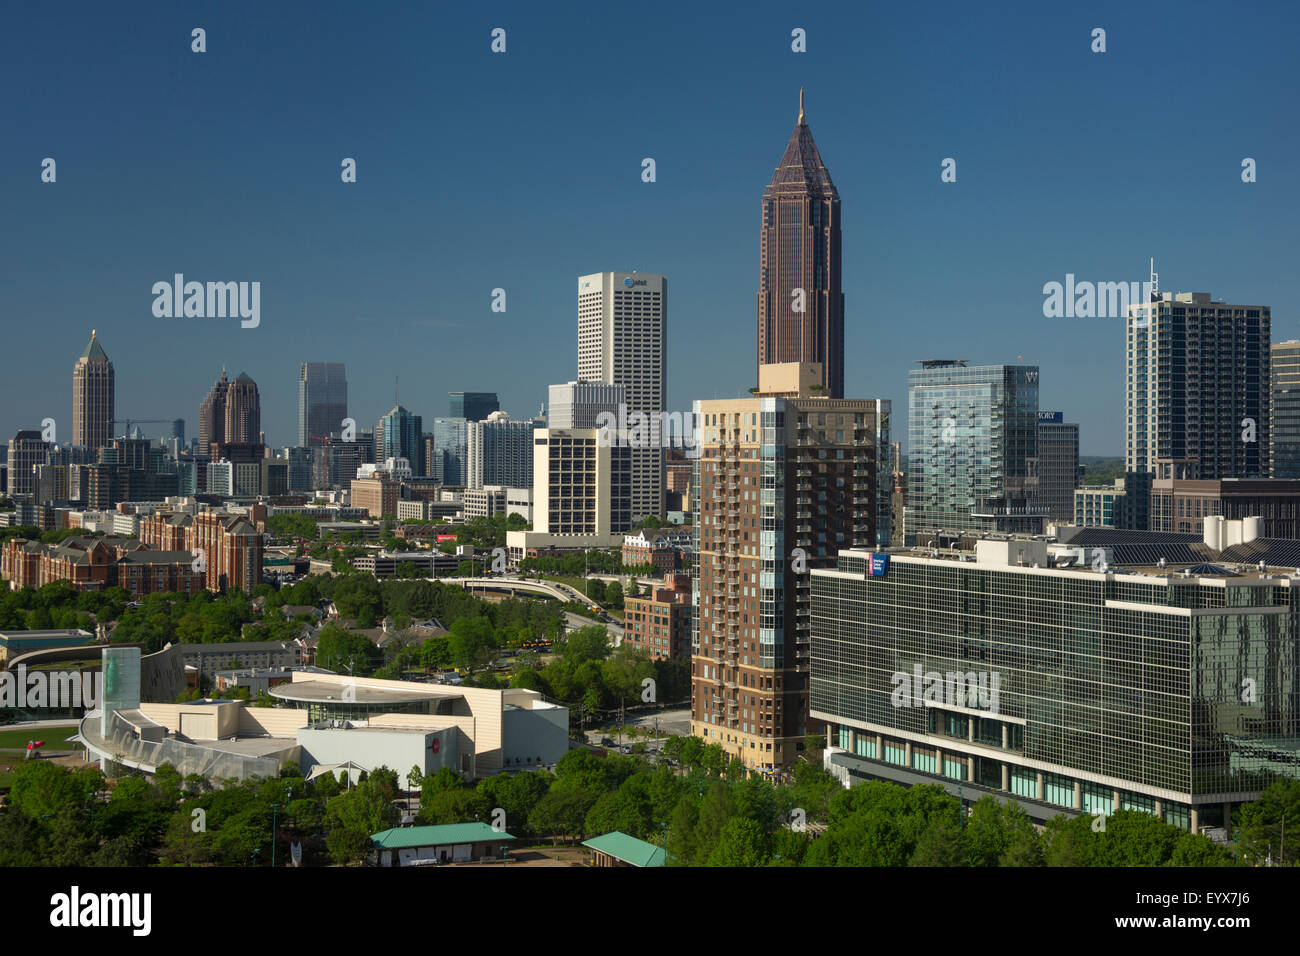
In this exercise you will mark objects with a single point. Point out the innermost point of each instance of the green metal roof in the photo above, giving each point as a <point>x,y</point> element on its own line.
<point>628,849</point>
<point>402,837</point>
<point>94,351</point>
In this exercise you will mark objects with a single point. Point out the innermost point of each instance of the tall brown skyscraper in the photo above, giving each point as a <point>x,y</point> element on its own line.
<point>212,414</point>
<point>800,302</point>
<point>93,388</point>
<point>243,415</point>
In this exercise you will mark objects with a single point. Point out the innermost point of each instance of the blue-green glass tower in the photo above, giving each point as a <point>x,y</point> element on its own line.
<point>972,450</point>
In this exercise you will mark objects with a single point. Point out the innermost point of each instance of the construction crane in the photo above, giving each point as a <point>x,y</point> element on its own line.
<point>128,422</point>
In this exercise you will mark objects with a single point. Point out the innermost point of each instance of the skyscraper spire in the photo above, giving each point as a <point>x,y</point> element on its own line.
<point>800,298</point>
<point>93,396</point>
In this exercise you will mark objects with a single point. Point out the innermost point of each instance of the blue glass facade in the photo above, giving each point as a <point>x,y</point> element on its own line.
<point>972,448</point>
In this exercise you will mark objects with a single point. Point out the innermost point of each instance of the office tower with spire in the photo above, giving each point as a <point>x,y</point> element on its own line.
<point>800,297</point>
<point>622,330</point>
<point>212,415</point>
<point>93,391</point>
<point>322,400</point>
<point>1198,387</point>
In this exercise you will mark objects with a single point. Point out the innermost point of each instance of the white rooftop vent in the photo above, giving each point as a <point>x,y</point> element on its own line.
<point>1161,563</point>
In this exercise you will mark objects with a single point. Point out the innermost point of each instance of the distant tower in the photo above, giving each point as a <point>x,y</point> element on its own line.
<point>800,297</point>
<point>243,413</point>
<point>322,400</point>
<point>212,415</point>
<point>93,388</point>
<point>622,340</point>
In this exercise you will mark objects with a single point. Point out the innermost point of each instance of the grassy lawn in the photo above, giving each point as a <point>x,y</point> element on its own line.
<point>56,738</point>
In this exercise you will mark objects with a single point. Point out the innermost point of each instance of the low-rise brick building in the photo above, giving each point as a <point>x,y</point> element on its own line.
<point>662,547</point>
<point>94,564</point>
<point>661,623</point>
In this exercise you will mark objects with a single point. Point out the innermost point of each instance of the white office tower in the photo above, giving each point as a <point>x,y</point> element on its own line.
<point>622,330</point>
<point>499,451</point>
<point>579,404</point>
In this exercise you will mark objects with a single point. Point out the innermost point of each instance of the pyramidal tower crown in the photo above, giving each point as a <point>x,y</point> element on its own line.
<point>801,171</point>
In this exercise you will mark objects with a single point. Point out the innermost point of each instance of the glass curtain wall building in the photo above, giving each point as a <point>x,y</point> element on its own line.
<point>973,449</point>
<point>322,401</point>
<point>451,451</point>
<point>1113,690</point>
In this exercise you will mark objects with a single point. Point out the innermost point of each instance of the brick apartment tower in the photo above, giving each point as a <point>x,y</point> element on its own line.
<point>800,264</point>
<point>93,390</point>
<point>784,480</point>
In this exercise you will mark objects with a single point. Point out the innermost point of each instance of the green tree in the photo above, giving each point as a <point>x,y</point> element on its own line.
<point>338,649</point>
<point>681,844</point>
<point>1069,842</point>
<point>940,844</point>
<point>741,843</point>
<point>347,845</point>
<point>1262,823</point>
<point>364,807</point>
<point>716,810</point>
<point>562,812</point>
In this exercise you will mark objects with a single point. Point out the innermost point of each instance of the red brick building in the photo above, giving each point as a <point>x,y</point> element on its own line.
<point>93,564</point>
<point>661,623</point>
<point>229,545</point>
<point>661,547</point>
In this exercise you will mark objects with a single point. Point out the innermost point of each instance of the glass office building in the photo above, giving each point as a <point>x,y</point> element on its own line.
<point>322,401</point>
<point>973,449</point>
<point>1148,690</point>
<point>451,451</point>
<point>472,406</point>
<point>399,434</point>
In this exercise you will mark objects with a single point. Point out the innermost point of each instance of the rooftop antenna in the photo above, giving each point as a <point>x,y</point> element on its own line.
<point>1155,281</point>
<point>801,106</point>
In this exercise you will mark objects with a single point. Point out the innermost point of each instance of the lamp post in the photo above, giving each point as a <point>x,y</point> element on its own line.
<point>274,807</point>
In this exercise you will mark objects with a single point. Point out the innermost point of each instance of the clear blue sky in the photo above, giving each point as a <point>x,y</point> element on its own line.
<point>522,171</point>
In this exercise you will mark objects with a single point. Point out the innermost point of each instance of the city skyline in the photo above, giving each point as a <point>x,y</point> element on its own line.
<point>966,260</point>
